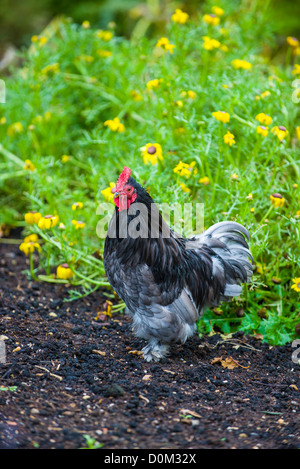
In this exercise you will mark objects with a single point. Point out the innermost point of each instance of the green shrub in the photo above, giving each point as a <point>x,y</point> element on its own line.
<point>76,80</point>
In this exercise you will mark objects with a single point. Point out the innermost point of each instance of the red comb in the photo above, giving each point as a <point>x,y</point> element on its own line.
<point>123,178</point>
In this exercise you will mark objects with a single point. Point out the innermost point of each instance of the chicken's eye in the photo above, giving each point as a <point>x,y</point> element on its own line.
<point>129,189</point>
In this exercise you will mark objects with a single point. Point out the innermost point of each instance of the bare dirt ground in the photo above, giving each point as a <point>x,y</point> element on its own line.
<point>68,375</point>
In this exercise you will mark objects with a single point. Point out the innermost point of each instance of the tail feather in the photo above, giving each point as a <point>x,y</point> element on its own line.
<point>232,262</point>
<point>227,227</point>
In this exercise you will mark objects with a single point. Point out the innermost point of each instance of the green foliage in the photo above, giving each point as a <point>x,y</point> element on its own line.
<point>92,443</point>
<point>10,388</point>
<point>77,79</point>
<point>22,21</point>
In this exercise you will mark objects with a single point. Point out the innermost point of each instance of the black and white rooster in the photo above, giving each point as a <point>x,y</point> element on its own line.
<point>165,280</point>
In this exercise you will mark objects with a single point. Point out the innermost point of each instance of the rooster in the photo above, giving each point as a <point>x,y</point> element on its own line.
<point>166,280</point>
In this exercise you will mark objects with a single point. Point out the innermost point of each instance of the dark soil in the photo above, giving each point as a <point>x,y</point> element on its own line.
<point>77,376</point>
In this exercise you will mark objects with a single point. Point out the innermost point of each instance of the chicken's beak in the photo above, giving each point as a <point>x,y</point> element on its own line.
<point>122,200</point>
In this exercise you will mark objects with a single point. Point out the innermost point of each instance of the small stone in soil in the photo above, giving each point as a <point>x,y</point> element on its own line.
<point>114,390</point>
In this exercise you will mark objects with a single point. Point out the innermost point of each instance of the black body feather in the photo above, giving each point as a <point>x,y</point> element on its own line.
<point>166,282</point>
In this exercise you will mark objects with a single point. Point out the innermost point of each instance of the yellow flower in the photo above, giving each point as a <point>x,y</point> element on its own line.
<point>105,35</point>
<point>212,19</point>
<point>260,268</point>
<point>218,11</point>
<point>249,196</point>
<point>86,24</point>
<point>108,194</point>
<point>121,128</point>
<point>153,84</point>
<point>296,285</point>
<point>185,169</point>
<point>191,94</point>
<point>47,115</point>
<point>210,44</point>
<point>264,118</point>
<point>115,125</point>
<point>221,116</point>
<point>229,139</point>
<point>280,131</point>
<point>238,63</point>
<point>78,224</point>
<point>40,40</point>
<point>152,152</point>
<point>224,31</point>
<point>296,70</point>
<point>31,238</point>
<point>298,132</point>
<point>296,50</point>
<point>37,119</point>
<point>86,58</point>
<point>205,181</point>
<point>164,43</point>
<point>136,96</point>
<point>50,69</point>
<point>103,53</point>
<point>3,120</point>
<point>32,218</point>
<point>292,41</point>
<point>263,95</point>
<point>48,221</point>
<point>262,130</point>
<point>179,16</point>
<point>277,200</point>
<point>234,176</point>
<point>43,40</point>
<point>224,48</point>
<point>184,187</point>
<point>77,205</point>
<point>180,130</point>
<point>65,158</point>
<point>14,129</point>
<point>64,272</point>
<point>107,310</point>
<point>29,165</point>
<point>252,209</point>
<point>29,245</point>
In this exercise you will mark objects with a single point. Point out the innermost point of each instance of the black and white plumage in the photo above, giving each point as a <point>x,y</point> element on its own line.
<point>167,282</point>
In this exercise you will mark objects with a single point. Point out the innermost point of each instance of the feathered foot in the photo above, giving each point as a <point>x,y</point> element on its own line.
<point>155,351</point>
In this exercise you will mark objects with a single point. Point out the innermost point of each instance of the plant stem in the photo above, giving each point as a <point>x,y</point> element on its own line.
<point>88,279</point>
<point>266,215</point>
<point>11,156</point>
<point>32,268</point>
